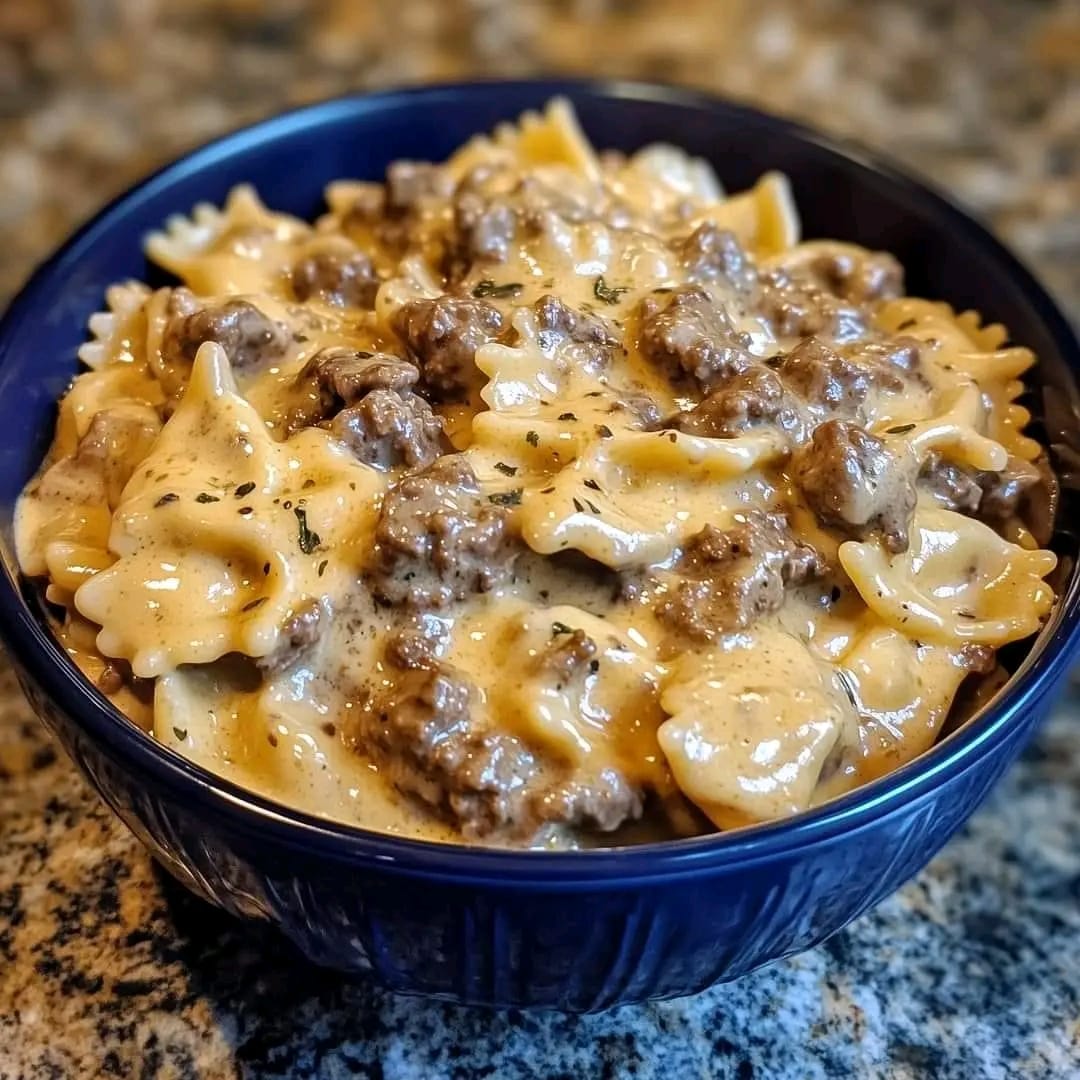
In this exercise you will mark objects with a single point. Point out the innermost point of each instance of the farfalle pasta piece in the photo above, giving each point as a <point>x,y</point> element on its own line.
<point>585,690</point>
<point>523,374</point>
<point>113,386</point>
<point>63,520</point>
<point>902,691</point>
<point>217,550</point>
<point>673,171</point>
<point>764,218</point>
<point>632,497</point>
<point>227,250</point>
<point>751,725</point>
<point>268,735</point>
<point>119,333</point>
<point>537,140</point>
<point>954,433</point>
<point>959,582</point>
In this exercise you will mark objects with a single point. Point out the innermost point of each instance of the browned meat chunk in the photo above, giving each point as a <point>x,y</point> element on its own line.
<point>588,337</point>
<point>392,211</point>
<point>427,736</point>
<point>568,656</point>
<point>408,183</point>
<point>602,802</point>
<point>386,429</point>
<point>710,252</point>
<point>423,735</point>
<point>410,648</point>
<point>343,376</point>
<point>248,336</point>
<point>1003,492</point>
<point>747,400</point>
<point>728,578</point>
<point>852,480</point>
<point>798,307</point>
<point>954,487</point>
<point>888,364</point>
<point>438,539</point>
<point>298,637</point>
<point>690,335</point>
<point>114,444</point>
<point>1024,489</point>
<point>344,280</point>
<point>538,201</point>
<point>485,229</point>
<point>822,377</point>
<point>443,336</point>
<point>558,322</point>
<point>860,278</point>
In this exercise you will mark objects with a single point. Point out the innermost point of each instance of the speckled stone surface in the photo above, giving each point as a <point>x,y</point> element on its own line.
<point>108,969</point>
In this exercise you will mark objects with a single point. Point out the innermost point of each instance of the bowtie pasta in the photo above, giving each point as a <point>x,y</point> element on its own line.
<point>541,497</point>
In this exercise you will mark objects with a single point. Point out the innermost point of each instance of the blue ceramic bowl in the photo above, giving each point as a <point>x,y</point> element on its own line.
<point>574,931</point>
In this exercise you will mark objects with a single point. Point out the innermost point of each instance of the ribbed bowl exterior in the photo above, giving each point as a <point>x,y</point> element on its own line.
<point>571,931</point>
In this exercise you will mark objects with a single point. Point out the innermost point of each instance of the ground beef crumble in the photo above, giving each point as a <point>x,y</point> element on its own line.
<point>727,578</point>
<point>854,481</point>
<point>442,336</point>
<point>249,337</point>
<point>438,539</point>
<point>428,733</point>
<point>689,335</point>
<point>750,399</point>
<point>389,429</point>
<point>344,280</point>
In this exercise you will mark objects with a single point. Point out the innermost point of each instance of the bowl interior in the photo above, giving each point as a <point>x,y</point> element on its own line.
<point>841,192</point>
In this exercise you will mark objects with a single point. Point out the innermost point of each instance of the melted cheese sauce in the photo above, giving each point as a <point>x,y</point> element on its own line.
<point>211,524</point>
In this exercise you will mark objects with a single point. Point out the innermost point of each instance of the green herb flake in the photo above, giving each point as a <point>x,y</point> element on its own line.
<point>244,489</point>
<point>604,431</point>
<point>609,294</point>
<point>577,506</point>
<point>590,483</point>
<point>180,733</point>
<point>506,470</point>
<point>506,498</point>
<point>558,628</point>
<point>204,497</point>
<point>251,605</point>
<point>308,540</point>
<point>487,287</point>
<point>567,416</point>
<point>593,507</point>
<point>168,497</point>
<point>322,567</point>
<point>532,438</point>
<point>899,429</point>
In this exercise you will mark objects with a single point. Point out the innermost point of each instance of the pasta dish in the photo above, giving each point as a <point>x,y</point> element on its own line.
<point>542,497</point>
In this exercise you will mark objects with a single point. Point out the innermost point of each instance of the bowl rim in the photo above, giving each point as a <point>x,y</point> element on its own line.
<point>261,820</point>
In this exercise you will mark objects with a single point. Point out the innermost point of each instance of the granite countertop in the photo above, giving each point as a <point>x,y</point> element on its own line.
<point>107,968</point>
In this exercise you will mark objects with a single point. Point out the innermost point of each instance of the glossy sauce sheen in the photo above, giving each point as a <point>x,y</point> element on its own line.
<point>183,546</point>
